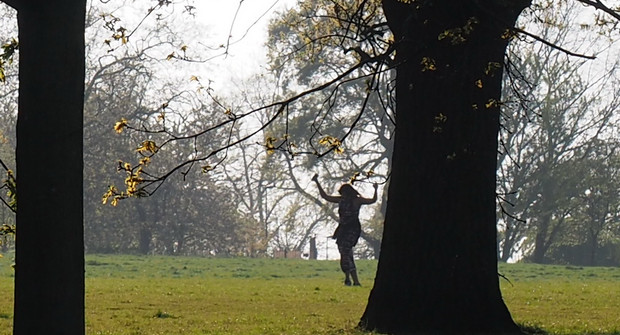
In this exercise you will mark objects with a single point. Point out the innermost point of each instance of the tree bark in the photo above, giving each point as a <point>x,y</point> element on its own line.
<point>437,273</point>
<point>49,275</point>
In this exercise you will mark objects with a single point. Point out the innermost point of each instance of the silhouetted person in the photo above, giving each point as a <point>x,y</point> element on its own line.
<point>348,231</point>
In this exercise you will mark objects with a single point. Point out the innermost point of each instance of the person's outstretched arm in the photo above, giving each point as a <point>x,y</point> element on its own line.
<point>324,195</point>
<point>367,201</point>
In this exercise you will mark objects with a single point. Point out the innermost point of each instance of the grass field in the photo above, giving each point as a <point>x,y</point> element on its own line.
<point>185,295</point>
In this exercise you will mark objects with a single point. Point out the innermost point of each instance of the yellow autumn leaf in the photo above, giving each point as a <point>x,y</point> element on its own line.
<point>491,103</point>
<point>207,168</point>
<point>508,34</point>
<point>120,125</point>
<point>270,144</point>
<point>492,67</point>
<point>330,141</point>
<point>441,118</point>
<point>109,194</point>
<point>147,146</point>
<point>428,64</point>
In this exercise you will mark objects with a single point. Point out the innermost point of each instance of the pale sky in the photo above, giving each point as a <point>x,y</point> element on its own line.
<point>248,35</point>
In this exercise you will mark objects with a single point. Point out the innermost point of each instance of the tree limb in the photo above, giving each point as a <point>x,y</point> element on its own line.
<point>555,46</point>
<point>600,6</point>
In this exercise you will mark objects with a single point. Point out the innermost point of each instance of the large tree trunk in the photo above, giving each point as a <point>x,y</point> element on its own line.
<point>438,267</point>
<point>49,275</point>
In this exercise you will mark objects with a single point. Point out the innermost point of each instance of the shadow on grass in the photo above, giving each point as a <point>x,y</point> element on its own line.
<point>533,330</point>
<point>163,315</point>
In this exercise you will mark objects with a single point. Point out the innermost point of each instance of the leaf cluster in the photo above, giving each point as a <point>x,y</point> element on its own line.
<point>315,36</point>
<point>9,49</point>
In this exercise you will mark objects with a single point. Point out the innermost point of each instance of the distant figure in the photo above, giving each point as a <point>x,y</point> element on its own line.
<point>349,229</point>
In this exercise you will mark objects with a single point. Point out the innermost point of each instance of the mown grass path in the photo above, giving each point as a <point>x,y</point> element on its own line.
<point>187,295</point>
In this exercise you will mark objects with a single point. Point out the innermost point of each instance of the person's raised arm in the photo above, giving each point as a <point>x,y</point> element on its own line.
<point>324,195</point>
<point>367,201</point>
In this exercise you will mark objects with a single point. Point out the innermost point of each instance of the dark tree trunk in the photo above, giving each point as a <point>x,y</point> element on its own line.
<point>144,239</point>
<point>49,275</point>
<point>593,246</point>
<point>541,244</point>
<point>314,252</point>
<point>438,267</point>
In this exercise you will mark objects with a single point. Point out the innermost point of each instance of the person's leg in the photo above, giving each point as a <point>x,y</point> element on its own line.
<point>347,281</point>
<point>347,265</point>
<point>356,281</point>
<point>353,270</point>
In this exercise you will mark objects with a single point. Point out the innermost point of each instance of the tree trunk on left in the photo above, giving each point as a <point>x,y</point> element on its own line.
<point>49,274</point>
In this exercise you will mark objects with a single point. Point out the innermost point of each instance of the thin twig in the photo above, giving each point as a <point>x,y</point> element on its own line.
<point>555,46</point>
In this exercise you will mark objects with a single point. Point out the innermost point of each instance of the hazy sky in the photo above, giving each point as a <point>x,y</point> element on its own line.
<point>248,34</point>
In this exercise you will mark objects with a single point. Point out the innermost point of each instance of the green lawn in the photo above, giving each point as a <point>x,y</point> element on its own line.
<point>564,299</point>
<point>186,295</point>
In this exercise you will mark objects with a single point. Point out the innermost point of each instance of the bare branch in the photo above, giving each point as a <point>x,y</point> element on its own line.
<point>4,166</point>
<point>600,6</point>
<point>157,181</point>
<point>555,46</point>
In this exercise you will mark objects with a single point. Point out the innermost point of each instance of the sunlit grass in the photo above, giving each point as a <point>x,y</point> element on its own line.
<point>185,295</point>
<point>564,299</point>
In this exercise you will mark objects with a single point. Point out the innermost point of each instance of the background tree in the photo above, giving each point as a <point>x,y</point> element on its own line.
<point>8,111</point>
<point>590,237</point>
<point>554,115</point>
<point>317,40</point>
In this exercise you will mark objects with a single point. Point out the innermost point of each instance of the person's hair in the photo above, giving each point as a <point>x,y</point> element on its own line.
<point>348,190</point>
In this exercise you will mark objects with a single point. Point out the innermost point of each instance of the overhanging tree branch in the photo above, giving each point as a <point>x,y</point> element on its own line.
<point>555,46</point>
<point>154,182</point>
<point>600,6</point>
